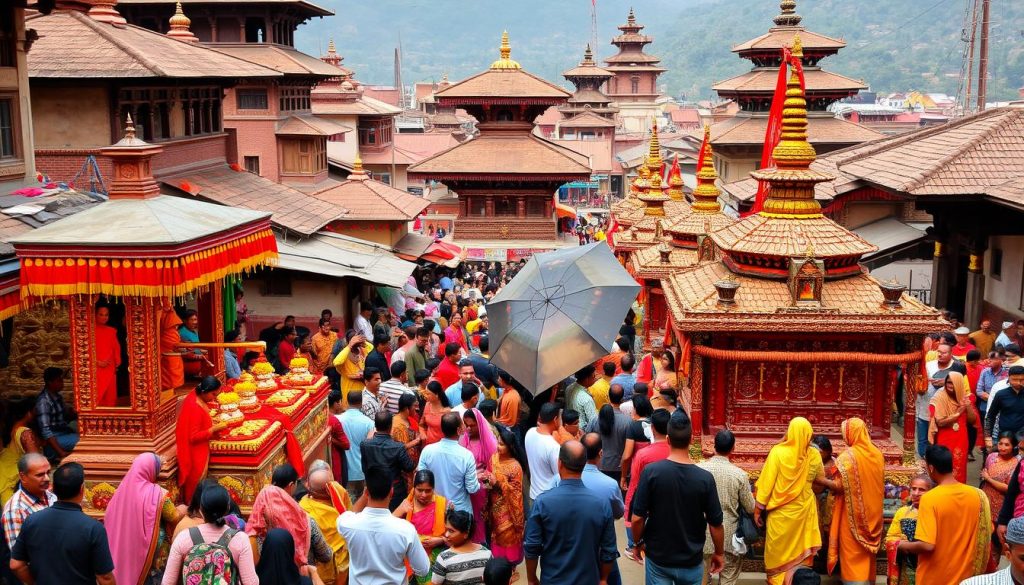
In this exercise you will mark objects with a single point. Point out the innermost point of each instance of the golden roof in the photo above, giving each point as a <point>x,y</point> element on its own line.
<point>705,196</point>
<point>505,62</point>
<point>675,182</point>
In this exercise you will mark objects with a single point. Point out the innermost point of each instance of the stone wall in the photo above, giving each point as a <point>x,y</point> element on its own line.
<point>41,339</point>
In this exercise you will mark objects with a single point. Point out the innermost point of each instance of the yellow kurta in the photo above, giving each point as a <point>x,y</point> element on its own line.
<point>326,517</point>
<point>792,527</point>
<point>348,368</point>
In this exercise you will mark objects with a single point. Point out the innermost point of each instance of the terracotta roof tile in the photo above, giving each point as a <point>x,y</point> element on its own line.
<point>778,37</point>
<point>696,224</point>
<point>502,83</point>
<point>646,262</point>
<point>764,81</point>
<point>373,200</point>
<point>848,304</point>
<point>287,60</point>
<point>588,120</point>
<point>821,130</point>
<point>306,125</point>
<point>291,209</point>
<point>72,45</point>
<point>305,4</point>
<point>778,236</point>
<point>508,154</point>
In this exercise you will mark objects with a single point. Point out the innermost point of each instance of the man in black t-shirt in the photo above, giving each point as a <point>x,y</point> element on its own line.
<point>675,503</point>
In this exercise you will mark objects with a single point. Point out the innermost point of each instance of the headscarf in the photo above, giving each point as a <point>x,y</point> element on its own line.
<point>276,565</point>
<point>274,508</point>
<point>944,405</point>
<point>486,446</point>
<point>790,460</point>
<point>132,520</point>
<point>862,471</point>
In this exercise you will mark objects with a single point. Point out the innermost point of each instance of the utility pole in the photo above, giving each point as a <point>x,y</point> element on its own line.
<point>983,59</point>
<point>970,56</point>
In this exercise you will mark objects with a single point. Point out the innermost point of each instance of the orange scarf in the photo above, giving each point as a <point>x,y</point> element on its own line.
<point>944,405</point>
<point>862,470</point>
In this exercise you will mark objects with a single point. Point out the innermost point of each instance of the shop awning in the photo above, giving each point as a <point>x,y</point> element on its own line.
<point>563,210</point>
<point>445,254</point>
<point>412,246</point>
<point>890,235</point>
<point>341,256</point>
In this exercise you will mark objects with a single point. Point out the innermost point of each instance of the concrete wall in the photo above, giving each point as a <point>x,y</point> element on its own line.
<point>1004,292</point>
<point>54,128</point>
<point>862,213</point>
<point>310,294</point>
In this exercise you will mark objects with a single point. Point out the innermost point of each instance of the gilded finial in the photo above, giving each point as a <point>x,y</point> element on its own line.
<point>330,46</point>
<point>654,161</point>
<point>631,19</point>
<point>705,195</point>
<point>798,46</point>
<point>179,25</point>
<point>588,56</point>
<point>357,174</point>
<point>505,62</point>
<point>809,252</point>
<point>129,128</point>
<point>787,14</point>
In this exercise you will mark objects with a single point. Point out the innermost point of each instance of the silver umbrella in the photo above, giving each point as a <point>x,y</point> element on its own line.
<point>561,312</point>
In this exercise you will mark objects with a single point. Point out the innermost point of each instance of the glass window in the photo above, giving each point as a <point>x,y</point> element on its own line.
<point>7,149</point>
<point>252,164</point>
<point>252,99</point>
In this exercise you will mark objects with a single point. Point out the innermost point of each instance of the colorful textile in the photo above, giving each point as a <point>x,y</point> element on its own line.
<point>325,514</point>
<point>22,505</point>
<point>901,568</point>
<point>856,531</point>
<point>108,350</point>
<point>505,513</point>
<point>192,437</point>
<point>9,465</point>
<point>132,520</point>
<point>172,369</point>
<point>954,437</point>
<point>275,508</point>
<point>429,523</point>
<point>784,491</point>
<point>955,518</point>
<point>482,449</point>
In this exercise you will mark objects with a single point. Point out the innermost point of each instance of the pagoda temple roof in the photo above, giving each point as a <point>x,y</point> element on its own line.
<point>291,209</point>
<point>502,84</point>
<point>367,199</point>
<point>647,262</point>
<point>506,154</point>
<point>627,57</point>
<point>588,96</point>
<point>281,58</point>
<point>853,304</point>
<point>591,70</point>
<point>781,37</point>
<point>309,7</point>
<point>777,236</point>
<point>72,45</point>
<point>163,220</point>
<point>699,223</point>
<point>588,119</point>
<point>765,80</point>
<point>745,129</point>
<point>335,100</point>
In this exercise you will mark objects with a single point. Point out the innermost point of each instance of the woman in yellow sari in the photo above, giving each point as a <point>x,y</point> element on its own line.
<point>856,532</point>
<point>784,494</point>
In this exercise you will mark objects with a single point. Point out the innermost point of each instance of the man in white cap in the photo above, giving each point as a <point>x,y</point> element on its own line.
<point>1007,334</point>
<point>963,343</point>
<point>1014,551</point>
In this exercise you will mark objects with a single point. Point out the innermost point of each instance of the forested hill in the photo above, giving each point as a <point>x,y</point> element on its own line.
<point>892,45</point>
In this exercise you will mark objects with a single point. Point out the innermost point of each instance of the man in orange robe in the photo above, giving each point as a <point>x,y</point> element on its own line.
<point>172,370</point>
<point>108,359</point>
<point>193,433</point>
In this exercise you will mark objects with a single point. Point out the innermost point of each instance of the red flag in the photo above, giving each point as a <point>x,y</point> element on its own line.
<point>773,132</point>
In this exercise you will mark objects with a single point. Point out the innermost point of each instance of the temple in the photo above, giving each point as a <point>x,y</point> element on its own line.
<point>738,140</point>
<point>785,320</point>
<point>634,87</point>
<point>507,176</point>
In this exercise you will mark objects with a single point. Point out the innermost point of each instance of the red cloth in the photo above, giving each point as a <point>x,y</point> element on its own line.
<point>960,351</point>
<point>285,353</point>
<point>447,373</point>
<point>274,508</point>
<point>108,349</point>
<point>645,370</point>
<point>192,438</point>
<point>452,335</point>
<point>292,449</point>
<point>339,444</point>
<point>973,375</point>
<point>641,459</point>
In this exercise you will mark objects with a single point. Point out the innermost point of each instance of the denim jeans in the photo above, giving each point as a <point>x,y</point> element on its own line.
<point>655,575</point>
<point>922,437</point>
<point>67,440</point>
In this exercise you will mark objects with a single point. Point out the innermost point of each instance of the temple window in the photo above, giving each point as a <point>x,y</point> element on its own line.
<point>505,116</point>
<point>255,30</point>
<point>252,164</point>
<point>252,99</point>
<point>535,207</point>
<point>8,143</point>
<point>8,38</point>
<point>294,99</point>
<point>634,85</point>
<point>504,206</point>
<point>383,177</point>
<point>304,156</point>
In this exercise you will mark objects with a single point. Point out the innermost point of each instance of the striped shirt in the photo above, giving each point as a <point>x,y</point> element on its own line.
<point>22,505</point>
<point>393,390</point>
<point>461,568</point>
<point>998,578</point>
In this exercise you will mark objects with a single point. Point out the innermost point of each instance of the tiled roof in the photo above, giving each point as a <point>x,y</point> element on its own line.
<point>291,209</point>
<point>853,304</point>
<point>820,130</point>
<point>696,224</point>
<point>499,83</point>
<point>587,71</point>
<point>646,262</point>
<point>764,81</point>
<point>72,45</point>
<point>20,214</point>
<point>588,96</point>
<point>334,100</point>
<point>287,60</point>
<point>309,7</point>
<point>685,115</point>
<point>625,58</point>
<point>778,37</point>
<point>598,151</point>
<point>588,120</point>
<point>306,125</point>
<point>505,154</point>
<point>373,200</point>
<point>409,148</point>
<point>631,240</point>
<point>778,236</point>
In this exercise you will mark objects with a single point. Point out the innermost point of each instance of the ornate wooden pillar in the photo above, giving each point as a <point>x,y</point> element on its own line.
<point>520,207</point>
<point>975,300</point>
<point>463,205</point>
<point>941,277</point>
<point>489,206</point>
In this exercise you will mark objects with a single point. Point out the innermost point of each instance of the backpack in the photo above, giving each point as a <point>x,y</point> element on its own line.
<point>209,563</point>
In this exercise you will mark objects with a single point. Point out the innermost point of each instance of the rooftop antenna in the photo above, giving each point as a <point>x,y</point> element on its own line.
<point>593,24</point>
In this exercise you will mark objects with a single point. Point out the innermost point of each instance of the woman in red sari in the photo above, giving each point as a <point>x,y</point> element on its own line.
<point>193,433</point>
<point>108,358</point>
<point>951,412</point>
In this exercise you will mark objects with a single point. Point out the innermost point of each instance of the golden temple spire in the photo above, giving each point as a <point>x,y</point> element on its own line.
<point>798,47</point>
<point>330,46</point>
<point>705,196</point>
<point>358,174</point>
<point>792,181</point>
<point>675,182</point>
<point>588,56</point>
<point>631,19</point>
<point>787,15</point>
<point>180,26</point>
<point>506,61</point>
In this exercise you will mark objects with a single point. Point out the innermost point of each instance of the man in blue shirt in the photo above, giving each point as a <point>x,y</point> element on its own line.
<point>602,485</point>
<point>627,378</point>
<point>570,530</point>
<point>467,374</point>
<point>453,466</point>
<point>357,427</point>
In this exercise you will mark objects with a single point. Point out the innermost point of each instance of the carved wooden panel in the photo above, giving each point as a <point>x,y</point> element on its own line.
<point>82,353</point>
<point>41,339</point>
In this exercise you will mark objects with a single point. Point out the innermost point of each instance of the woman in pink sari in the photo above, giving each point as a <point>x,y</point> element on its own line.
<point>480,440</point>
<point>135,520</point>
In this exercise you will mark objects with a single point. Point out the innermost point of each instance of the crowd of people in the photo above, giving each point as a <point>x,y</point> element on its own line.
<point>442,468</point>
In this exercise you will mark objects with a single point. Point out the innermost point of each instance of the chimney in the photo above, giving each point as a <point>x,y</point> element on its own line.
<point>133,174</point>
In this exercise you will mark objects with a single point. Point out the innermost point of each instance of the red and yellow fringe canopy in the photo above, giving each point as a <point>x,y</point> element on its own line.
<point>10,297</point>
<point>140,272</point>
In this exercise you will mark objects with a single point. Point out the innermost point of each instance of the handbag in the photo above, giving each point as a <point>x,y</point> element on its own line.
<point>745,528</point>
